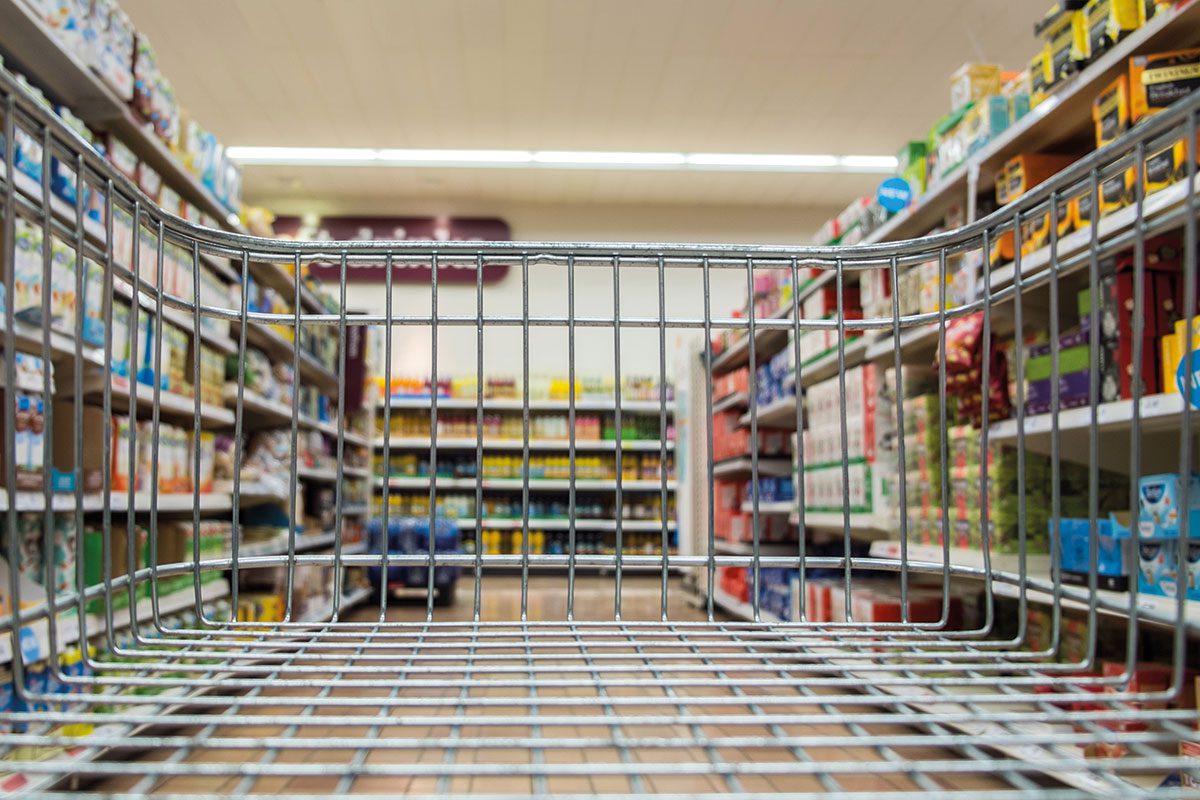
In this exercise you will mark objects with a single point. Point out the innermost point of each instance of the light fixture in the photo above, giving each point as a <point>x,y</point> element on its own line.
<point>559,159</point>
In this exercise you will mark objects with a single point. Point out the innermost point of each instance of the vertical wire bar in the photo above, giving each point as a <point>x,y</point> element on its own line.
<point>619,514</point>
<point>1055,439</point>
<point>131,497</point>
<point>385,534</point>
<point>1019,356</point>
<point>1093,437</point>
<point>10,379</point>
<point>106,554</point>
<point>943,445</point>
<point>156,415</point>
<point>77,403</point>
<point>339,491</point>
<point>711,565</point>
<point>48,406</point>
<point>524,437</point>
<point>1139,330</point>
<point>294,453</point>
<point>841,363</point>
<point>196,419</point>
<point>662,427</point>
<point>1188,387</point>
<point>902,476</point>
<point>385,511</point>
<point>433,424</point>
<point>985,538</point>
<point>572,543</point>
<point>238,444</point>
<point>798,452</point>
<point>752,385</point>
<point>476,610</point>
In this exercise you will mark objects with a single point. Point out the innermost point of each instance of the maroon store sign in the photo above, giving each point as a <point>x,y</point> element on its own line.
<point>414,229</point>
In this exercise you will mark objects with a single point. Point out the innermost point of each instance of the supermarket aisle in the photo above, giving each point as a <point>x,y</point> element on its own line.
<point>641,598</point>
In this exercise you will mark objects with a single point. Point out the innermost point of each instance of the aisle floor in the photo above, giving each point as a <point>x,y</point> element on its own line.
<point>620,694</point>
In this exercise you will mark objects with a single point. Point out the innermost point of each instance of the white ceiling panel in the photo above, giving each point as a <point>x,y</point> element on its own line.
<point>801,76</point>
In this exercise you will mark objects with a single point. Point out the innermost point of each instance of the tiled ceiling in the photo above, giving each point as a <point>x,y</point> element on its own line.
<point>798,76</point>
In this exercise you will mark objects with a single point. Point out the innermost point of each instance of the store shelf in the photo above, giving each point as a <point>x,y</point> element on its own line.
<point>177,317</point>
<point>1166,200</point>
<point>731,402</point>
<point>918,344</point>
<point>28,339</point>
<point>356,509</point>
<point>35,637</point>
<point>329,474</point>
<point>462,403</point>
<point>559,524</point>
<point>535,484</point>
<point>325,612</point>
<point>742,467</point>
<point>778,414</point>
<point>312,541</point>
<point>282,350</point>
<point>1157,412</point>
<point>172,407</point>
<point>775,508</point>
<point>864,525</point>
<point>1159,610</point>
<point>265,412</point>
<point>767,341</point>
<point>1064,118</point>
<point>469,443</point>
<point>742,610</point>
<point>119,502</point>
<point>764,548</point>
<point>826,366</point>
<point>30,43</point>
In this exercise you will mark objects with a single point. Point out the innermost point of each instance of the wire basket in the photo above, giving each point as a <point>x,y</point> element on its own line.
<point>139,677</point>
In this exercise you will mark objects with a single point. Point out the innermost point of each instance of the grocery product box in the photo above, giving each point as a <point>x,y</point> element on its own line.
<point>1157,80</point>
<point>972,82</point>
<point>1114,562</point>
<point>1160,506</point>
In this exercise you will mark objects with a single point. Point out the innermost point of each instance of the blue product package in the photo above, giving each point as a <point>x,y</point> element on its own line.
<point>1113,556</point>
<point>410,536</point>
<point>1160,506</point>
<point>36,684</point>
<point>1158,570</point>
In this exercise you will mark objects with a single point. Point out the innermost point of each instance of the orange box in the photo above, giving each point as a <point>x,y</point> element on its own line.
<point>1157,80</point>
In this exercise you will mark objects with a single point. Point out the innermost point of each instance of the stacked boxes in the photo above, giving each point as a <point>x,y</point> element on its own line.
<point>1161,512</point>
<point>824,485</point>
<point>822,305</point>
<point>1155,82</point>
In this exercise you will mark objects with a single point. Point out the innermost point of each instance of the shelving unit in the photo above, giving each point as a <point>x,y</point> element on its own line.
<point>397,443</point>
<point>1063,120</point>
<point>30,46</point>
<point>535,484</point>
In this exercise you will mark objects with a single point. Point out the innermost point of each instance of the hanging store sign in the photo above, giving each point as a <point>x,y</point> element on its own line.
<point>408,229</point>
<point>894,194</point>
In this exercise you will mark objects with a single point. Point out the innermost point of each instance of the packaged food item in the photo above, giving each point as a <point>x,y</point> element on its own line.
<point>1057,32</point>
<point>973,82</point>
<point>1157,80</point>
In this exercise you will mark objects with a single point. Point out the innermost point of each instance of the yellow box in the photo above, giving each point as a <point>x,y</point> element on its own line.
<point>1117,192</point>
<point>1039,86</point>
<point>1057,31</point>
<point>1166,166</point>
<point>1110,111</point>
<point>972,82</point>
<point>1170,360</point>
<point>1157,80</point>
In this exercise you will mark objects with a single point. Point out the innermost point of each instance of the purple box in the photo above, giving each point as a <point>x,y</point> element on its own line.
<point>1065,341</point>
<point>1073,389</point>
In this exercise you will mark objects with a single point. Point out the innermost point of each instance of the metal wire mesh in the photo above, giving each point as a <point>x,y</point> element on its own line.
<point>580,672</point>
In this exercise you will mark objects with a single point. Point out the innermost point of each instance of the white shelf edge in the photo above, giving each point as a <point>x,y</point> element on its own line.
<point>581,405</point>
<point>581,445</point>
<point>535,484</point>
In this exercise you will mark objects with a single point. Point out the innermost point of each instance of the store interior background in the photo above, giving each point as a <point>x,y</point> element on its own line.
<point>719,76</point>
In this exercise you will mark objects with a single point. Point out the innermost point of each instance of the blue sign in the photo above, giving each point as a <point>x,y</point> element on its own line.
<point>1181,378</point>
<point>894,194</point>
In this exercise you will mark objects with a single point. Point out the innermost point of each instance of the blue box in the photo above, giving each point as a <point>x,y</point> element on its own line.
<point>1159,511</point>
<point>1114,555</point>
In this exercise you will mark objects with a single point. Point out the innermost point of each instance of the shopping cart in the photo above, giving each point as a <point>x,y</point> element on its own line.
<point>573,688</point>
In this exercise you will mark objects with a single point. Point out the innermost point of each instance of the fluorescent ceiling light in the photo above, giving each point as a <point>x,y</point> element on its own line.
<point>451,156</point>
<point>602,159</point>
<point>558,159</point>
<point>760,160</point>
